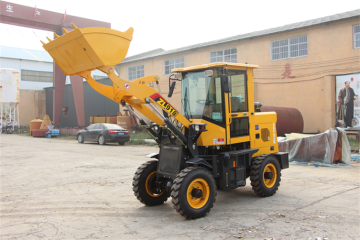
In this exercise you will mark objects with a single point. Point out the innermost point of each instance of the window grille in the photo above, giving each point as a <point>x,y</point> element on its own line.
<point>227,55</point>
<point>172,64</point>
<point>357,36</point>
<point>135,72</point>
<point>289,48</point>
<point>36,76</point>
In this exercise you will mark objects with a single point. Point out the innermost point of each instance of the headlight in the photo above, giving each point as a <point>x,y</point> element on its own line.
<point>196,128</point>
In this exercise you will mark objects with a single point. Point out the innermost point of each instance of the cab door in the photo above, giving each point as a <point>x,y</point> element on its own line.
<point>238,130</point>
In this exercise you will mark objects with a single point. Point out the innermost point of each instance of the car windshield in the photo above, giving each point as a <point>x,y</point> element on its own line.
<point>112,126</point>
<point>201,95</point>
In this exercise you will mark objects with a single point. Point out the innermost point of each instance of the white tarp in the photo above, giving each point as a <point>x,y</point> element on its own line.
<point>318,149</point>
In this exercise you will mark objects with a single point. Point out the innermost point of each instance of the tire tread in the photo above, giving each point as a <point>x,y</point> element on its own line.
<point>254,177</point>
<point>136,188</point>
<point>175,194</point>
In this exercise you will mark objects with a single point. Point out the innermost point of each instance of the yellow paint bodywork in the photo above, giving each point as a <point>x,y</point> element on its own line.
<point>89,48</point>
<point>265,120</point>
<point>213,132</point>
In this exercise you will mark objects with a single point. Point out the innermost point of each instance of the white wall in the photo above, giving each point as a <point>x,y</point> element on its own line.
<point>28,65</point>
<point>35,66</point>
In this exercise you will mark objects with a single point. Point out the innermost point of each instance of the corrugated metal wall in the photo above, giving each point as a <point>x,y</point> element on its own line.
<point>94,104</point>
<point>28,65</point>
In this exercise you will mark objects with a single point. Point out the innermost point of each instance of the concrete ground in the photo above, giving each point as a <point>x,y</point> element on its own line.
<point>60,189</point>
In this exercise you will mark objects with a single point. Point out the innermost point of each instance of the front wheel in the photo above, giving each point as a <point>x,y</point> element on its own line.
<point>80,138</point>
<point>193,192</point>
<point>101,140</point>
<point>265,175</point>
<point>145,187</point>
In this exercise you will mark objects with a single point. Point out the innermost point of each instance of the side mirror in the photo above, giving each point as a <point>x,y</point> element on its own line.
<point>225,83</point>
<point>171,89</point>
<point>85,128</point>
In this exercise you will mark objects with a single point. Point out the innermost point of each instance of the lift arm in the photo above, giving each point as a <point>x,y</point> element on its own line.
<point>117,94</point>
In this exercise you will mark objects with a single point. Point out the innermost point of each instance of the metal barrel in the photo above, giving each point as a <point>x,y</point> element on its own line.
<point>289,120</point>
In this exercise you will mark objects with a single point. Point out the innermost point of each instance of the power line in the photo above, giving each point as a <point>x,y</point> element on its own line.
<point>304,80</point>
<point>313,73</point>
<point>294,68</point>
<point>263,67</point>
<point>290,82</point>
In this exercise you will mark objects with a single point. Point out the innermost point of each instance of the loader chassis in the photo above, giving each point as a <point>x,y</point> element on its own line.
<point>215,141</point>
<point>229,169</point>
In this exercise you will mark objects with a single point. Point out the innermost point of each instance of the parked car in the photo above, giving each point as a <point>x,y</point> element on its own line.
<point>103,133</point>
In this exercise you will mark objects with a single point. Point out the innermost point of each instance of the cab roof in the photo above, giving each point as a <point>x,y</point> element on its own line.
<point>218,64</point>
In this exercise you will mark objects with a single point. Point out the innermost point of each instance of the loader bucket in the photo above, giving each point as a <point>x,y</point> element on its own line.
<point>88,48</point>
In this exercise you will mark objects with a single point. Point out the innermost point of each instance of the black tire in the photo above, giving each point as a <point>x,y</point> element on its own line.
<point>263,183</point>
<point>80,138</point>
<point>121,143</point>
<point>101,140</point>
<point>182,197</point>
<point>144,185</point>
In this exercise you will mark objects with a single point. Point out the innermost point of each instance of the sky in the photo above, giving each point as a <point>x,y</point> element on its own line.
<point>171,24</point>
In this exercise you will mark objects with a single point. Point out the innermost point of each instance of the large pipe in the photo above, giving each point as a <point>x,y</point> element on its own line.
<point>289,120</point>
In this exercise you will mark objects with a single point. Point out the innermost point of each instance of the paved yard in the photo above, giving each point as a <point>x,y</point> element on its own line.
<point>60,189</point>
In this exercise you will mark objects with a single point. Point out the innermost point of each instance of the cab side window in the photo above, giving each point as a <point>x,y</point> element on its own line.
<point>239,102</point>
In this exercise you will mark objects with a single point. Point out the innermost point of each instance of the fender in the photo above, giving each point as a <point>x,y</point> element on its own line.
<point>152,155</point>
<point>198,161</point>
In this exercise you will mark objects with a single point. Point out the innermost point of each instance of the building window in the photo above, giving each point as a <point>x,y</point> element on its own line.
<point>36,76</point>
<point>135,72</point>
<point>172,64</point>
<point>227,55</point>
<point>357,36</point>
<point>289,48</point>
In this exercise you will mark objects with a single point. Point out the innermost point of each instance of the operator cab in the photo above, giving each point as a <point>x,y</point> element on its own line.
<point>217,94</point>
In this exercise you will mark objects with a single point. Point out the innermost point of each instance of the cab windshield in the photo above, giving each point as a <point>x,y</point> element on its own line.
<point>201,96</point>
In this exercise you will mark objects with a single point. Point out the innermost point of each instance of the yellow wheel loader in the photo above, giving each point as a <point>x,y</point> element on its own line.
<point>216,140</point>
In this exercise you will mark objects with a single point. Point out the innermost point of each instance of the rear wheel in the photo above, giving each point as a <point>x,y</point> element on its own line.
<point>193,192</point>
<point>265,175</point>
<point>80,138</point>
<point>101,140</point>
<point>145,187</point>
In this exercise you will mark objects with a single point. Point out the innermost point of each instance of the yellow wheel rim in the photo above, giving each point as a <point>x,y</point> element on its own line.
<point>270,168</point>
<point>196,185</point>
<point>147,185</point>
